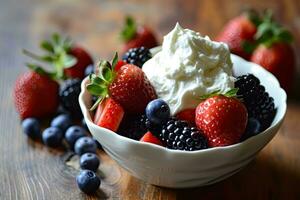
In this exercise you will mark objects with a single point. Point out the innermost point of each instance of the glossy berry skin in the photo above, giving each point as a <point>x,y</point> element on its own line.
<point>253,128</point>
<point>150,138</point>
<point>89,161</point>
<point>236,32</point>
<point>63,122</point>
<point>132,89</point>
<point>222,119</point>
<point>85,145</point>
<point>83,61</point>
<point>157,111</point>
<point>279,59</point>
<point>133,127</point>
<point>89,70</point>
<point>187,115</point>
<point>137,56</point>
<point>35,95</point>
<point>73,133</point>
<point>87,181</point>
<point>31,127</point>
<point>52,137</point>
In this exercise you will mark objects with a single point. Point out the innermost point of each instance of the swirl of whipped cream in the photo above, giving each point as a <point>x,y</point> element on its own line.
<point>187,67</point>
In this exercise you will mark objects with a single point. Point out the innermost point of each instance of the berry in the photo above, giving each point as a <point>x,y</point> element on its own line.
<point>253,128</point>
<point>187,115</point>
<point>177,134</point>
<point>89,161</point>
<point>63,122</point>
<point>99,146</point>
<point>109,114</point>
<point>87,181</point>
<point>52,137</point>
<point>157,111</point>
<point>89,70</point>
<point>31,127</point>
<point>84,125</point>
<point>119,64</point>
<point>257,101</point>
<point>137,56</point>
<point>35,95</point>
<point>133,127</point>
<point>222,119</point>
<point>73,133</point>
<point>85,145</point>
<point>69,93</point>
<point>149,137</point>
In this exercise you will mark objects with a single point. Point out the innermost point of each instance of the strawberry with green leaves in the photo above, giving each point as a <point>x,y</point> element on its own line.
<point>222,118</point>
<point>128,86</point>
<point>135,36</point>
<point>68,59</point>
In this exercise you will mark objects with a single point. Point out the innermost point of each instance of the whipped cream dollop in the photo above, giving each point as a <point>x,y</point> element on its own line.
<point>187,67</point>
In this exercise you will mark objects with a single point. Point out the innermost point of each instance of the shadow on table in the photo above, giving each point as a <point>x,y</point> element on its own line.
<point>262,179</point>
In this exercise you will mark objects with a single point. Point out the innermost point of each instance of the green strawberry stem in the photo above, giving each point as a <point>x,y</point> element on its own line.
<point>229,93</point>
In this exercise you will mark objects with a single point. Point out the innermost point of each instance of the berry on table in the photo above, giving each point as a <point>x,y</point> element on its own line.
<point>69,93</point>
<point>137,56</point>
<point>89,161</point>
<point>52,137</point>
<point>85,145</point>
<point>87,181</point>
<point>73,133</point>
<point>62,122</point>
<point>99,146</point>
<point>157,111</point>
<point>31,127</point>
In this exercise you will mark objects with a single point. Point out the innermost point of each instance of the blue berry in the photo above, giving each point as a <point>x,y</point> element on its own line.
<point>62,122</point>
<point>52,137</point>
<point>158,111</point>
<point>85,145</point>
<point>31,128</point>
<point>253,128</point>
<point>87,181</point>
<point>89,70</point>
<point>89,161</point>
<point>73,133</point>
<point>99,146</point>
<point>83,123</point>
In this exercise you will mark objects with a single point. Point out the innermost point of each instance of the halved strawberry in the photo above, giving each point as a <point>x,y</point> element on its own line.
<point>187,115</point>
<point>109,115</point>
<point>149,137</point>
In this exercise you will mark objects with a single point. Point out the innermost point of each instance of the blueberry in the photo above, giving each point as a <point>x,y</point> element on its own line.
<point>73,133</point>
<point>89,70</point>
<point>85,145</point>
<point>99,146</point>
<point>62,122</point>
<point>157,111</point>
<point>87,181</point>
<point>52,137</point>
<point>253,128</point>
<point>89,161</point>
<point>31,128</point>
<point>83,123</point>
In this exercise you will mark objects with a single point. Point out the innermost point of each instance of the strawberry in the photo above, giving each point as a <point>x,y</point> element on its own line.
<point>128,86</point>
<point>149,137</point>
<point>119,64</point>
<point>136,36</point>
<point>69,61</point>
<point>187,115</point>
<point>222,119</point>
<point>238,32</point>
<point>109,114</point>
<point>35,95</point>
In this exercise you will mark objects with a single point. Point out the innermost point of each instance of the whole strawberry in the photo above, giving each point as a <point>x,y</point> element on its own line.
<point>128,86</point>
<point>239,32</point>
<point>35,95</point>
<point>136,36</point>
<point>69,60</point>
<point>222,119</point>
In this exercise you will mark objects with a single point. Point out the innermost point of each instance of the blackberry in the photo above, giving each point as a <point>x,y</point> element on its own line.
<point>259,104</point>
<point>68,94</point>
<point>133,127</point>
<point>137,56</point>
<point>177,134</point>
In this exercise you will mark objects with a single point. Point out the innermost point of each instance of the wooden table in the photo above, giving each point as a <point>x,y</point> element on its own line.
<point>29,170</point>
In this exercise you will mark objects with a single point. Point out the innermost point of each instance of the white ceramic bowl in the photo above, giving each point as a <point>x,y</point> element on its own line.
<point>179,169</point>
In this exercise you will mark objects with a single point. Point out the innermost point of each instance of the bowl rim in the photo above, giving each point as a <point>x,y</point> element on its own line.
<point>88,119</point>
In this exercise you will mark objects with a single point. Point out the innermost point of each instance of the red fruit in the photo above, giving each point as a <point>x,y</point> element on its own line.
<point>222,119</point>
<point>149,137</point>
<point>236,32</point>
<point>132,89</point>
<point>187,115</point>
<point>109,115</point>
<point>119,64</point>
<point>35,95</point>
<point>279,59</point>
<point>83,60</point>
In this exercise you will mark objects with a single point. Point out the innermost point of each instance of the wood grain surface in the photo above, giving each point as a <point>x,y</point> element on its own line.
<point>29,170</point>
